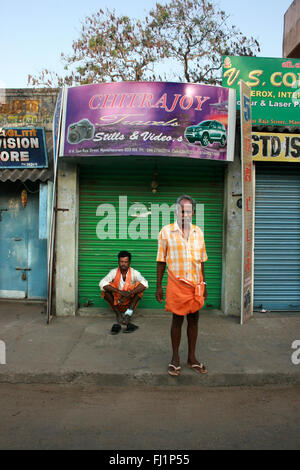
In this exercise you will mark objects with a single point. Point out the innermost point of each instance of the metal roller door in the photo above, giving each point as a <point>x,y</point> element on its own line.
<point>132,178</point>
<point>277,237</point>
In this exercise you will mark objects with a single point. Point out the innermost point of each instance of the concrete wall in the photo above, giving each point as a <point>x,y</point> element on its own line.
<point>28,107</point>
<point>232,244</point>
<point>291,34</point>
<point>66,282</point>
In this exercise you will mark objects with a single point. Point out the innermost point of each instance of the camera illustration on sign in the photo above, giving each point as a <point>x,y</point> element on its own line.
<point>206,132</point>
<point>79,131</point>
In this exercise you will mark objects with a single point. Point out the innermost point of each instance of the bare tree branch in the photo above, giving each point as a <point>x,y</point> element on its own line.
<point>192,34</point>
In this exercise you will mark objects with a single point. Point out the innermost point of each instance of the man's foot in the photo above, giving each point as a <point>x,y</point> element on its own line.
<point>115,329</point>
<point>173,370</point>
<point>130,328</point>
<point>126,320</point>
<point>119,316</point>
<point>198,368</point>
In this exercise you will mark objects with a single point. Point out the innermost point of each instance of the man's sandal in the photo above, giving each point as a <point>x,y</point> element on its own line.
<point>130,328</point>
<point>198,368</point>
<point>115,329</point>
<point>173,370</point>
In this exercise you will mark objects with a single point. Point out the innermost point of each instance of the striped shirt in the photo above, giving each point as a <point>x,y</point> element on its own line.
<point>183,256</point>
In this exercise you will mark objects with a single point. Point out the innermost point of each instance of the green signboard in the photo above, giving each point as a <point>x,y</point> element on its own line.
<point>275,87</point>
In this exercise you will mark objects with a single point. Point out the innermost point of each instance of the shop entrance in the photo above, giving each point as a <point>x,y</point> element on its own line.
<point>23,255</point>
<point>147,182</point>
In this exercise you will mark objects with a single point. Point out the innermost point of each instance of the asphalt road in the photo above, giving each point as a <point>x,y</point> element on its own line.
<point>72,417</point>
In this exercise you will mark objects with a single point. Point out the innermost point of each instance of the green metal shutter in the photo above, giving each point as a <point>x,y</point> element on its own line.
<point>277,237</point>
<point>132,178</point>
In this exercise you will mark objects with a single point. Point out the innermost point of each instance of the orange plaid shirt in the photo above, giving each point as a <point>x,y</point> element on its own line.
<point>183,257</point>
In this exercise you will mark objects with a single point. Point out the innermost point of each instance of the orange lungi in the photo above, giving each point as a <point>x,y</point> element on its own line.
<point>127,287</point>
<point>182,296</point>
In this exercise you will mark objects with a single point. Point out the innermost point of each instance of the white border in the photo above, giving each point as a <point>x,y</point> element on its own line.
<point>231,124</point>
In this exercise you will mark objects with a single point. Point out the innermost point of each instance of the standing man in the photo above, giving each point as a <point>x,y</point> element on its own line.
<point>181,248</point>
<point>122,288</point>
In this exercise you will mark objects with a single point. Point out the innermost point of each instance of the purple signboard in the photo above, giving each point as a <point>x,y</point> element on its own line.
<point>149,118</point>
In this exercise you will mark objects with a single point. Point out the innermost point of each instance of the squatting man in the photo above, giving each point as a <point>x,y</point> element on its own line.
<point>123,288</point>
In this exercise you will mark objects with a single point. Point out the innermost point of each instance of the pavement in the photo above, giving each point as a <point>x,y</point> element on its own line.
<point>81,350</point>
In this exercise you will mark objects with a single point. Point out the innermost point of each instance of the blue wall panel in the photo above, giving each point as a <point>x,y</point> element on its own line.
<point>20,245</point>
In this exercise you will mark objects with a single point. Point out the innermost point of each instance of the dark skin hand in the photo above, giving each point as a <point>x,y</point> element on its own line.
<point>160,269</point>
<point>125,294</point>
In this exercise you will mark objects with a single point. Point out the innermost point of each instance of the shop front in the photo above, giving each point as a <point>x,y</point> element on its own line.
<point>275,104</point>
<point>138,215</point>
<point>25,186</point>
<point>23,248</point>
<point>277,221</point>
<point>119,179</point>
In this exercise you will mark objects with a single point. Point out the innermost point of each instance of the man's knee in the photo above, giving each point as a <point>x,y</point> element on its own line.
<point>108,297</point>
<point>177,319</point>
<point>134,296</point>
<point>193,318</point>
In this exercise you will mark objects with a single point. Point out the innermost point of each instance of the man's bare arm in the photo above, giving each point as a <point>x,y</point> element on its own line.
<point>125,293</point>
<point>110,288</point>
<point>203,277</point>
<point>160,270</point>
<point>137,290</point>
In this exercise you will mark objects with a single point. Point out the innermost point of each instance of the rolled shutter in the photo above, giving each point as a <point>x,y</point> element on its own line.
<point>132,178</point>
<point>277,237</point>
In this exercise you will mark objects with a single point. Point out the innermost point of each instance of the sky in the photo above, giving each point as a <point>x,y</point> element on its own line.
<point>33,34</point>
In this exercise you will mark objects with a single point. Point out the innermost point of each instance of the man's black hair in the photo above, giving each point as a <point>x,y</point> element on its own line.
<point>124,254</point>
<point>189,198</point>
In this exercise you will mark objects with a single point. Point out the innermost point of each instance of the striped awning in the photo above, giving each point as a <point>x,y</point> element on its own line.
<point>37,174</point>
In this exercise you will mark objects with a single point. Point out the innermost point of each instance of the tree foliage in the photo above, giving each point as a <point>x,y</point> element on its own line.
<point>196,34</point>
<point>180,40</point>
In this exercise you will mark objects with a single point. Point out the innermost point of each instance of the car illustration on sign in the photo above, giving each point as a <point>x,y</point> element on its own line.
<point>206,132</point>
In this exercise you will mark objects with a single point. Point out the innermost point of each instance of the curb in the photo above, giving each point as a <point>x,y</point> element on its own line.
<point>149,379</point>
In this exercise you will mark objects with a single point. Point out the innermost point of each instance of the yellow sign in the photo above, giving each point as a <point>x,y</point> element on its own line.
<point>268,147</point>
